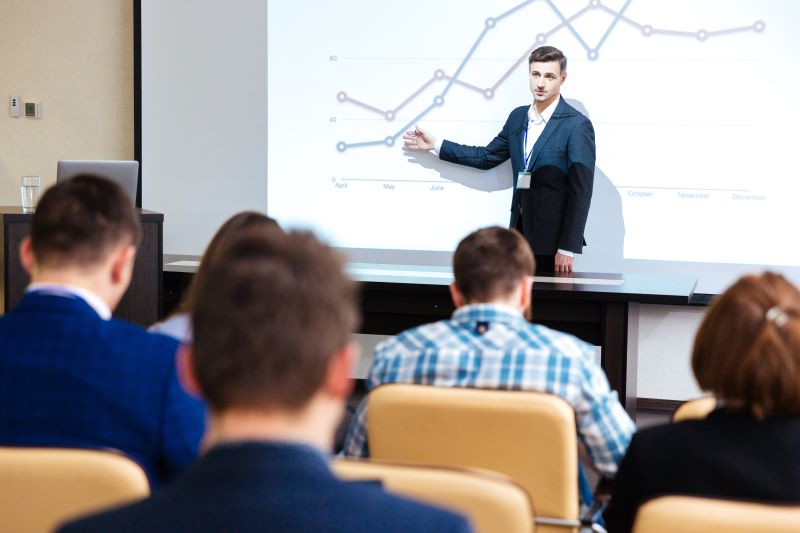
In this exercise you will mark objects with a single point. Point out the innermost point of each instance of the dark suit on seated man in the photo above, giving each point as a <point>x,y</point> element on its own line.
<point>72,376</point>
<point>272,355</point>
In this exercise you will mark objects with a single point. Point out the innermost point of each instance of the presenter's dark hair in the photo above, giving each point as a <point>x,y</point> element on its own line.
<point>545,54</point>
<point>231,227</point>
<point>490,263</point>
<point>272,310</point>
<point>78,221</point>
<point>747,350</point>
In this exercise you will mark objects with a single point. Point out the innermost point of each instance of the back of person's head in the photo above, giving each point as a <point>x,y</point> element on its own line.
<point>490,263</point>
<point>747,350</point>
<point>230,228</point>
<point>79,221</point>
<point>269,317</point>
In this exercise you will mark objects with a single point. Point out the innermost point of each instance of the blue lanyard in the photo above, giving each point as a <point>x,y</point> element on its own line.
<point>526,155</point>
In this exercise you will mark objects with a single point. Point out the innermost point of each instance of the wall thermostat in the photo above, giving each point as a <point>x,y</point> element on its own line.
<point>33,110</point>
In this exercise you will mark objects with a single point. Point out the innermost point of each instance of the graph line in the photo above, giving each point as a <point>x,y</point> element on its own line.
<point>611,27</point>
<point>569,26</point>
<point>490,23</point>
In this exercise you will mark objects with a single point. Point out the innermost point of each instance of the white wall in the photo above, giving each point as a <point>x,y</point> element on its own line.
<point>666,335</point>
<point>75,57</point>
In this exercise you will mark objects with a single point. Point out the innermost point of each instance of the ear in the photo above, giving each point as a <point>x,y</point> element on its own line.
<point>526,291</point>
<point>122,265</point>
<point>455,294</point>
<point>341,367</point>
<point>184,361</point>
<point>526,297</point>
<point>563,77</point>
<point>26,255</point>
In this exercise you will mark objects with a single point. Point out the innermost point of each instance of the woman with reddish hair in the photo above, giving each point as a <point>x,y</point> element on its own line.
<point>747,353</point>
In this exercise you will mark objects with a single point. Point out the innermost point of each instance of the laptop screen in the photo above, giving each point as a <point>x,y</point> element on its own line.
<point>125,173</point>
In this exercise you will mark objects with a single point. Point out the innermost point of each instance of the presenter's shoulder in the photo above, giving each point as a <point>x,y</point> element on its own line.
<point>568,111</point>
<point>521,110</point>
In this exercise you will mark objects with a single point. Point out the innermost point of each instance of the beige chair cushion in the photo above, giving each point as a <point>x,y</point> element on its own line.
<point>492,503</point>
<point>42,487</point>
<point>527,436</point>
<point>694,409</point>
<point>684,514</point>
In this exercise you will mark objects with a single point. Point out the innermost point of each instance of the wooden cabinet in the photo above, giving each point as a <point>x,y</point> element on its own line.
<point>140,304</point>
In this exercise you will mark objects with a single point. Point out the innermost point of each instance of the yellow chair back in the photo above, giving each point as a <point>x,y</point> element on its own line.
<point>492,502</point>
<point>42,487</point>
<point>686,514</point>
<point>528,436</point>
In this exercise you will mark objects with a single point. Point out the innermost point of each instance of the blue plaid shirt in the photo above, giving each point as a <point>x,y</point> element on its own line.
<point>490,346</point>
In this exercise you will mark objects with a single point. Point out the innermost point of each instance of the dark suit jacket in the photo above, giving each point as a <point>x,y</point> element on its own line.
<point>263,487</point>
<point>70,379</point>
<point>727,455</point>
<point>555,208</point>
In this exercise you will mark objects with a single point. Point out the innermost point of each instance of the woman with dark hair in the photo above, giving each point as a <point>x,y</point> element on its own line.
<point>178,324</point>
<point>747,353</point>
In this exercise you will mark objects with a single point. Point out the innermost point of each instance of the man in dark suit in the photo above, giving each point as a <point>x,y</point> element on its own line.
<point>72,376</point>
<point>273,356</point>
<point>552,151</point>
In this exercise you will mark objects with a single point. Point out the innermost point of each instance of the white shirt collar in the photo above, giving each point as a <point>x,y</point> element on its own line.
<point>546,114</point>
<point>62,289</point>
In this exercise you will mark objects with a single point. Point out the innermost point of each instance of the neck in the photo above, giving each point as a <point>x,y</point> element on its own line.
<point>312,425</point>
<point>511,301</point>
<point>541,106</point>
<point>90,281</point>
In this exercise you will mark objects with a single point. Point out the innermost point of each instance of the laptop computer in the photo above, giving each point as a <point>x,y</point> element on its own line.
<point>125,173</point>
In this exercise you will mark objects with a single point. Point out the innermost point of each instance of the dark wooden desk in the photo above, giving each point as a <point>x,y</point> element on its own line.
<point>604,315</point>
<point>140,304</point>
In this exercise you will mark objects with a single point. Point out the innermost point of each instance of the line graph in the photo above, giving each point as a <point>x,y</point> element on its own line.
<point>454,79</point>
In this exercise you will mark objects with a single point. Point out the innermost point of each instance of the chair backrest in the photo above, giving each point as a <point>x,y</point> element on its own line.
<point>491,502</point>
<point>686,514</point>
<point>527,436</point>
<point>694,409</point>
<point>42,487</point>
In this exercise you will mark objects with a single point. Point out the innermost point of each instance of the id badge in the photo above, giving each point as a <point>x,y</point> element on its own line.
<point>523,180</point>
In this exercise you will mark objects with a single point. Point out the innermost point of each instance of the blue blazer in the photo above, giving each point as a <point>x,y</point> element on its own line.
<point>555,208</point>
<point>69,378</point>
<point>263,487</point>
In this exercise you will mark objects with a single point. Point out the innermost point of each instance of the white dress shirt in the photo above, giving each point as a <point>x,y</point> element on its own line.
<point>71,291</point>
<point>536,123</point>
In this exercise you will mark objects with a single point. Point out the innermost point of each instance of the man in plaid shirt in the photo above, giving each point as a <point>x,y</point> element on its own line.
<point>489,344</point>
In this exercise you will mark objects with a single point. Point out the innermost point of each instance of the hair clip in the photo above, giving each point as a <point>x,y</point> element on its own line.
<point>777,316</point>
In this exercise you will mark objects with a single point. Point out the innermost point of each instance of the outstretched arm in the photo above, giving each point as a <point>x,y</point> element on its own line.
<point>482,157</point>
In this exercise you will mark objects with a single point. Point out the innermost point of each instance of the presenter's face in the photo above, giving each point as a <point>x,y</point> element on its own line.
<point>546,80</point>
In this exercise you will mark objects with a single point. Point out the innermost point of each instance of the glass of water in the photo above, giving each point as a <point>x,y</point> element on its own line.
<point>30,187</point>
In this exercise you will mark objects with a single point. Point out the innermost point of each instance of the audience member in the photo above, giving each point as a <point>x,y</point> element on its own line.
<point>178,324</point>
<point>72,376</point>
<point>747,353</point>
<point>488,344</point>
<point>272,355</point>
